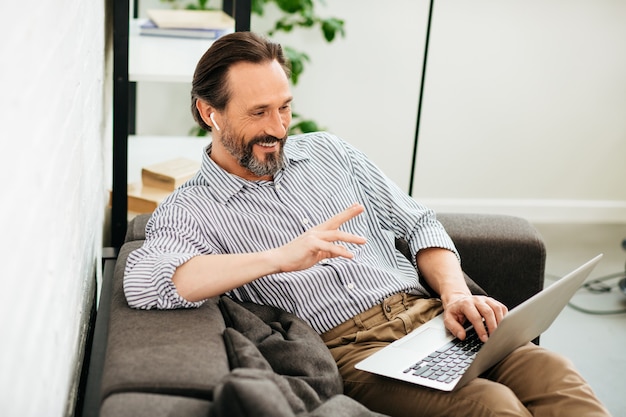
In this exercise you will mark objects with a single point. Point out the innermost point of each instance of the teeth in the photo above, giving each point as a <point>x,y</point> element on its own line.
<point>268,145</point>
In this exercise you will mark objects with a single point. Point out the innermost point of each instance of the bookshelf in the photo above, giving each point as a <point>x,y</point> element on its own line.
<point>142,58</point>
<point>162,59</point>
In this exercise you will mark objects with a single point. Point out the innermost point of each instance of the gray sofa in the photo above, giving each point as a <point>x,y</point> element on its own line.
<point>178,363</point>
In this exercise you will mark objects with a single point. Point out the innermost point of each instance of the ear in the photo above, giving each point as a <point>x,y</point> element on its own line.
<point>205,110</point>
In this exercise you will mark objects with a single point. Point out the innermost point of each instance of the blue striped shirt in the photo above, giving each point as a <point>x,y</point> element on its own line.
<point>219,213</point>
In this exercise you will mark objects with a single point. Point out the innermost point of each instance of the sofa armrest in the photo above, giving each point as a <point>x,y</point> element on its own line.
<point>136,229</point>
<point>172,353</point>
<point>505,255</point>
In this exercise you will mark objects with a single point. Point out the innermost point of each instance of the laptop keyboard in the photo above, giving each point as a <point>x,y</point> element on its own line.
<point>449,362</point>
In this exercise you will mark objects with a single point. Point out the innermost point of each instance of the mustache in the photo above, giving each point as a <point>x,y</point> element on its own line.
<point>266,139</point>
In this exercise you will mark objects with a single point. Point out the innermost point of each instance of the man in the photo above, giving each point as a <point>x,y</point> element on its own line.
<point>308,224</point>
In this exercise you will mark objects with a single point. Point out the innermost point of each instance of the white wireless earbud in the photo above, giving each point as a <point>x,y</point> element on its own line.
<point>211,116</point>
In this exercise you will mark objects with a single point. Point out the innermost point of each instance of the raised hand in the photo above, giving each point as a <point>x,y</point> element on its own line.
<point>319,242</point>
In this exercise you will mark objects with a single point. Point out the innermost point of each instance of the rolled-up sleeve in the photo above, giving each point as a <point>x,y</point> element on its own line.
<point>429,233</point>
<point>171,240</point>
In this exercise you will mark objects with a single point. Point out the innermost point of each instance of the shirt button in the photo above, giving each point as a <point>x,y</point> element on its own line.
<point>305,221</point>
<point>350,286</point>
<point>278,187</point>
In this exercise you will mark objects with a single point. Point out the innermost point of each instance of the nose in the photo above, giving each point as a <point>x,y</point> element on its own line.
<point>277,124</point>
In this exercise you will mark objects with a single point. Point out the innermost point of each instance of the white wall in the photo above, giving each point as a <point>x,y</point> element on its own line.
<point>524,110</point>
<point>51,162</point>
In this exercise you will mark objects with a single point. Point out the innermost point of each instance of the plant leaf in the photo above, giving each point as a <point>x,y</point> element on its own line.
<point>331,26</point>
<point>304,126</point>
<point>296,61</point>
<point>291,6</point>
<point>258,7</point>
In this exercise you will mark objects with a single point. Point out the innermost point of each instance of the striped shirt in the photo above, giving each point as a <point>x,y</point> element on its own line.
<point>218,213</point>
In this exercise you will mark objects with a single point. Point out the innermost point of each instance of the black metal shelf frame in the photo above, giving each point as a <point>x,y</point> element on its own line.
<point>122,99</point>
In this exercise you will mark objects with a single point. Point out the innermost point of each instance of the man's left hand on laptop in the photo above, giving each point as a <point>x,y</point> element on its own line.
<point>473,308</point>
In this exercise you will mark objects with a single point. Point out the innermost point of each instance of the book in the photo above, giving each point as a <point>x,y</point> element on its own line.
<point>191,19</point>
<point>169,174</point>
<point>149,28</point>
<point>145,199</point>
<point>205,24</point>
<point>142,199</point>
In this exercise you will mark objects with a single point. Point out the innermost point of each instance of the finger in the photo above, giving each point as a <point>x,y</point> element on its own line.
<point>486,324</point>
<point>498,308</point>
<point>454,326</point>
<point>475,317</point>
<point>340,218</point>
<point>334,251</point>
<point>491,312</point>
<point>340,236</point>
<point>498,311</point>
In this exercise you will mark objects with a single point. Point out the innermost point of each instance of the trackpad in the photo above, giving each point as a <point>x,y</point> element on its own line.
<point>430,338</point>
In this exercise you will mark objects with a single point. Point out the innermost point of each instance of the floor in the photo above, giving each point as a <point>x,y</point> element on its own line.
<point>599,314</point>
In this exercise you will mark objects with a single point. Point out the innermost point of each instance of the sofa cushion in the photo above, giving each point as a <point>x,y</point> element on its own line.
<point>137,404</point>
<point>190,358</point>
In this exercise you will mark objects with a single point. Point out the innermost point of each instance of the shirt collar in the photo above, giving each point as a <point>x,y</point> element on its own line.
<point>224,185</point>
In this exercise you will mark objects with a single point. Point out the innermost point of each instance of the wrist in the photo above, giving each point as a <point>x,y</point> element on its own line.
<point>448,299</point>
<point>271,258</point>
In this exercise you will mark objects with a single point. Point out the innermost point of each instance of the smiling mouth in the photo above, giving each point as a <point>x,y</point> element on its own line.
<point>267,144</point>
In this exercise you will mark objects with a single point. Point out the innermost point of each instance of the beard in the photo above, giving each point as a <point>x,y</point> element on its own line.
<point>243,153</point>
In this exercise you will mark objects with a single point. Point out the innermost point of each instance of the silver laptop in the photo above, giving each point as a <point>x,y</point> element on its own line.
<point>432,357</point>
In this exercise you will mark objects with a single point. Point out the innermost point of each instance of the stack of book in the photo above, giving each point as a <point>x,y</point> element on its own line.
<point>201,24</point>
<point>157,182</point>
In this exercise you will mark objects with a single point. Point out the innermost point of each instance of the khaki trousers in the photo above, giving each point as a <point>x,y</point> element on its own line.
<point>531,381</point>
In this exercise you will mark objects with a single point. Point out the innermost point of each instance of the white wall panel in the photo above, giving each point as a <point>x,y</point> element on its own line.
<point>51,162</point>
<point>525,100</point>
